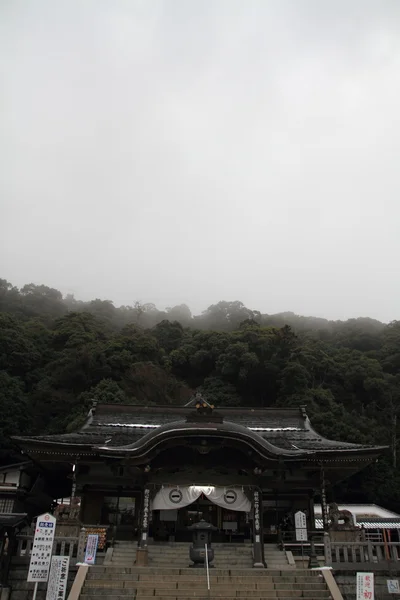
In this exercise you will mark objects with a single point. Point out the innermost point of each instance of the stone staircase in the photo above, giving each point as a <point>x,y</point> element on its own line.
<point>124,553</point>
<point>227,556</point>
<point>276,558</point>
<point>143,583</point>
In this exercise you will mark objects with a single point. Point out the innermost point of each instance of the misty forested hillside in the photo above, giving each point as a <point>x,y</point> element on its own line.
<point>58,354</point>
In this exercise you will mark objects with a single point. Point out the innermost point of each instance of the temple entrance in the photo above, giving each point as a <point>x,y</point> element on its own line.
<point>121,515</point>
<point>171,524</point>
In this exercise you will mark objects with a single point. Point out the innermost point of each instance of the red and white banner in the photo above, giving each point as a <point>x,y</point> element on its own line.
<point>365,586</point>
<point>91,549</point>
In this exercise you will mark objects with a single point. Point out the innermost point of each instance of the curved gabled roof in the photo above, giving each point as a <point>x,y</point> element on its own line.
<point>181,430</point>
<point>115,429</point>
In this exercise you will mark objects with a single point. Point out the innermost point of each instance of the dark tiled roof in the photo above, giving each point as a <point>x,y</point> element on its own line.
<point>306,439</point>
<point>123,425</point>
<point>12,519</point>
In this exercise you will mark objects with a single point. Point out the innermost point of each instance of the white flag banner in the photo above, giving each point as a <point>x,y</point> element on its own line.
<point>232,498</point>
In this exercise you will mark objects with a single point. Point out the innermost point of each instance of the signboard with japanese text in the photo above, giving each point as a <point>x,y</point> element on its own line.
<point>365,586</point>
<point>257,525</point>
<point>42,548</point>
<point>146,513</point>
<point>300,522</point>
<point>393,586</point>
<point>91,549</point>
<point>58,578</point>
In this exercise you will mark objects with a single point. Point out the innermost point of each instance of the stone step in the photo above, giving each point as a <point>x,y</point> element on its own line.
<point>189,587</point>
<point>311,595</point>
<point>114,596</point>
<point>224,557</point>
<point>294,578</point>
<point>216,565</point>
<point>171,555</point>
<point>174,571</point>
<point>184,556</point>
<point>182,548</point>
<point>241,593</point>
<point>103,591</point>
<point>186,548</point>
<point>181,554</point>
<point>93,576</point>
<point>183,559</point>
<point>183,580</point>
<point>177,559</point>
<point>186,552</point>
<point>304,595</point>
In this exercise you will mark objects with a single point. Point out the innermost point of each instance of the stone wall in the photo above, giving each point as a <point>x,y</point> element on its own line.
<point>22,590</point>
<point>347,584</point>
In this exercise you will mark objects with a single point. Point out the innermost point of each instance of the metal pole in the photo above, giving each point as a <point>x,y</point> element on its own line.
<point>35,591</point>
<point>208,572</point>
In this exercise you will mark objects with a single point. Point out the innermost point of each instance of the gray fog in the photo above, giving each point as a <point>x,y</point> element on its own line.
<point>203,150</point>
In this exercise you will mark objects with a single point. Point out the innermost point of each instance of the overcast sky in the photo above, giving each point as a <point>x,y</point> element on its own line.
<point>203,150</point>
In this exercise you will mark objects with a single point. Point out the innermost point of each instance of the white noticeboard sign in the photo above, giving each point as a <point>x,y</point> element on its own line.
<point>42,548</point>
<point>300,523</point>
<point>91,549</point>
<point>365,586</point>
<point>393,586</point>
<point>58,578</point>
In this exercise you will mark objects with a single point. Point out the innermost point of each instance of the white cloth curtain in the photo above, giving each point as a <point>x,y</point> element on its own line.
<point>175,497</point>
<point>232,498</point>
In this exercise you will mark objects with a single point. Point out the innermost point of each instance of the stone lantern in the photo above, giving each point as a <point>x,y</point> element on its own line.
<point>202,532</point>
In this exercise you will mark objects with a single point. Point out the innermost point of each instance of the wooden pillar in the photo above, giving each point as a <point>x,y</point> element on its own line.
<point>324,506</point>
<point>258,533</point>
<point>311,512</point>
<point>142,551</point>
<point>7,558</point>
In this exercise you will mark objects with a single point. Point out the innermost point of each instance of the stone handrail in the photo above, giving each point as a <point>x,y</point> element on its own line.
<point>79,582</point>
<point>287,540</point>
<point>63,546</point>
<point>374,554</point>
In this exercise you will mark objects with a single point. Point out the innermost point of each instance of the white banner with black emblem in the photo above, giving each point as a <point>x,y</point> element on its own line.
<point>175,497</point>
<point>232,498</point>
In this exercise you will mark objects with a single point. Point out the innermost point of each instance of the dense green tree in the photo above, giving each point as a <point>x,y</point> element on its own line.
<point>14,409</point>
<point>169,335</point>
<point>58,355</point>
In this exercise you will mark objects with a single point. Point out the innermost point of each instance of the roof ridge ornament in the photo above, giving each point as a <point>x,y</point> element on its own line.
<point>199,402</point>
<point>204,411</point>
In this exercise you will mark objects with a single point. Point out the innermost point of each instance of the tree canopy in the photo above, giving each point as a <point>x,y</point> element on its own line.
<point>59,354</point>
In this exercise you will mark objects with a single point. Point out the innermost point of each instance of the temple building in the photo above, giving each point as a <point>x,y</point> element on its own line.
<point>147,473</point>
